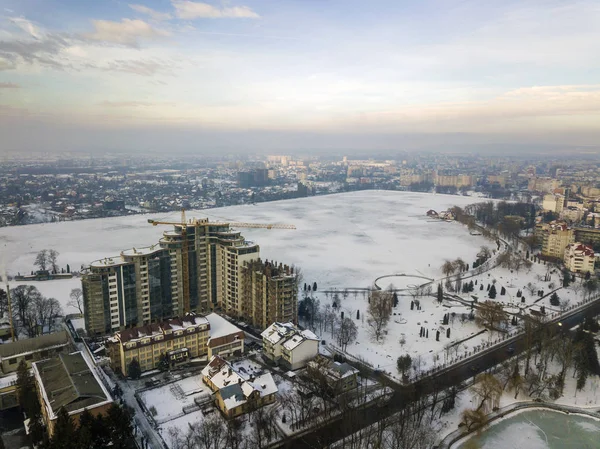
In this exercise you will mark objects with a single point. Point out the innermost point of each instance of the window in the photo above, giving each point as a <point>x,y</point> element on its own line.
<point>28,356</point>
<point>12,362</point>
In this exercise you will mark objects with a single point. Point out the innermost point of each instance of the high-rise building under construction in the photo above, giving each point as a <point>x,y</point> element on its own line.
<point>196,267</point>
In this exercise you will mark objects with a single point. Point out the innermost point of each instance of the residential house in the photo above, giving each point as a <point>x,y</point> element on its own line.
<point>237,393</point>
<point>338,377</point>
<point>285,344</point>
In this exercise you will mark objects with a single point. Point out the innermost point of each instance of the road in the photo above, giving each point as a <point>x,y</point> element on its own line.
<point>455,374</point>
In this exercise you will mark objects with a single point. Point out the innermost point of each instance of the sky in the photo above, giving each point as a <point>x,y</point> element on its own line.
<point>297,74</point>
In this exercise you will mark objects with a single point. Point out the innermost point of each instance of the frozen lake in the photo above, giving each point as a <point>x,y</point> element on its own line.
<point>343,240</point>
<point>540,429</point>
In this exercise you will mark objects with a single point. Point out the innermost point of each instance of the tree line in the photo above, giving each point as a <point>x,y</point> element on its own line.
<point>33,313</point>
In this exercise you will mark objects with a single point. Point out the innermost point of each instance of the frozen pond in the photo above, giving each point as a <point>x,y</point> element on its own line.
<point>539,429</point>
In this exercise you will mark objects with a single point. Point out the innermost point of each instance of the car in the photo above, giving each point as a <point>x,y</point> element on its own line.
<point>474,368</point>
<point>510,349</point>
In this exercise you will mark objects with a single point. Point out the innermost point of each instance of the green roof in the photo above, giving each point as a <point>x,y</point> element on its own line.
<point>69,382</point>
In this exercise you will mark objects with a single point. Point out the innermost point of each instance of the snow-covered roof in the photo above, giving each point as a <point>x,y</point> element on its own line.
<point>277,331</point>
<point>220,327</point>
<point>237,394</point>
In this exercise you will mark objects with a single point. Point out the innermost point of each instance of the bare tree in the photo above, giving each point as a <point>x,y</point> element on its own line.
<point>52,260</point>
<point>459,265</point>
<point>3,302</point>
<point>379,312</point>
<point>531,288</point>
<point>448,268</point>
<point>488,389</point>
<point>490,315</point>
<point>485,252</point>
<point>41,260</point>
<point>76,299</point>
<point>346,333</point>
<point>473,418</point>
<point>22,298</point>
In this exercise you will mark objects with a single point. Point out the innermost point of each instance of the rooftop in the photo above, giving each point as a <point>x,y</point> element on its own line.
<point>69,381</point>
<point>220,327</point>
<point>33,344</point>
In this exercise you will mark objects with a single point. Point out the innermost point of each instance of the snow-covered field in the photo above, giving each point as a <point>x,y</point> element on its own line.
<point>342,240</point>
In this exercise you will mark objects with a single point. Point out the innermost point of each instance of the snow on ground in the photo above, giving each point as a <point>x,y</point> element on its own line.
<point>342,240</point>
<point>170,399</point>
<point>182,424</point>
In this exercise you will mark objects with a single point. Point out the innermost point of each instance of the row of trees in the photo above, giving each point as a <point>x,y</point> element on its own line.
<point>47,259</point>
<point>33,313</point>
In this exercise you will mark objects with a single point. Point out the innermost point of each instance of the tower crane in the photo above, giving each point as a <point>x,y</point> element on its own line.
<point>184,224</point>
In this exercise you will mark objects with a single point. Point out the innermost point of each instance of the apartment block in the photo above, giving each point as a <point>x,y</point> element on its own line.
<point>270,294</point>
<point>579,258</point>
<point>195,267</point>
<point>554,238</point>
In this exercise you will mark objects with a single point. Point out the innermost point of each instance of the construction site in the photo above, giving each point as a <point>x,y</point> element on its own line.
<point>198,266</point>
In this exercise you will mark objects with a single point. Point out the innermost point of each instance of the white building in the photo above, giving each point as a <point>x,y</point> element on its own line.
<point>579,258</point>
<point>285,344</point>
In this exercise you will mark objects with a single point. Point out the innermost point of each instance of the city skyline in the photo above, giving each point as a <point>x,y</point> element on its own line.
<point>248,75</point>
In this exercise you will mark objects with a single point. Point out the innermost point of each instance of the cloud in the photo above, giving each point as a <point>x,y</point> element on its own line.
<point>129,104</point>
<point>155,15</point>
<point>186,9</point>
<point>125,32</point>
<point>44,51</point>
<point>27,26</point>
<point>9,86</point>
<point>145,67</point>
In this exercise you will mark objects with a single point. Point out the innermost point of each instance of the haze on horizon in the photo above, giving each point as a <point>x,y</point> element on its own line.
<point>170,75</point>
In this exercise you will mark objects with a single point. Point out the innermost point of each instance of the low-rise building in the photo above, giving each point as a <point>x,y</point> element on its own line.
<point>31,350</point>
<point>225,338</point>
<point>237,393</point>
<point>8,392</point>
<point>69,381</point>
<point>285,344</point>
<point>338,377</point>
<point>179,339</point>
<point>579,258</point>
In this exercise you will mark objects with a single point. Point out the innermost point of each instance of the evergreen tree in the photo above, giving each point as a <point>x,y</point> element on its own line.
<point>395,299</point>
<point>358,314</point>
<point>64,431</point>
<point>440,293</point>
<point>566,278</point>
<point>492,292</point>
<point>134,371</point>
<point>471,286</point>
<point>502,291</point>
<point>119,425</point>
<point>555,300</point>
<point>163,362</point>
<point>314,286</point>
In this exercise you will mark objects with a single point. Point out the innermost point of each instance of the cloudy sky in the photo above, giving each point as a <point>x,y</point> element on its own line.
<point>297,74</point>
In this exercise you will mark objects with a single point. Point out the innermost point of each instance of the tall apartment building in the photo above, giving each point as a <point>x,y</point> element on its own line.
<point>554,238</point>
<point>270,294</point>
<point>147,285</point>
<point>579,258</point>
